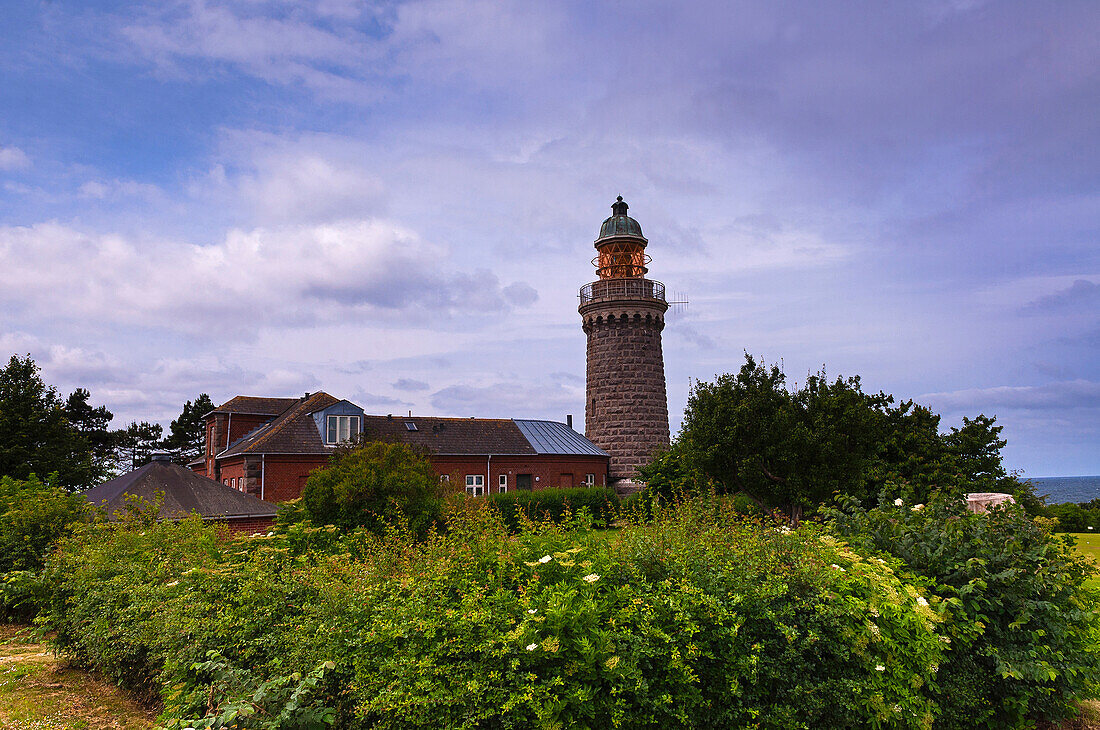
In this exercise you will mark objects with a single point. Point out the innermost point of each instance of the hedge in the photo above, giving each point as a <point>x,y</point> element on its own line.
<point>699,618</point>
<point>555,504</point>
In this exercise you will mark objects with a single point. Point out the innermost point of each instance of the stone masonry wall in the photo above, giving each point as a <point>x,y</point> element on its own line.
<point>626,412</point>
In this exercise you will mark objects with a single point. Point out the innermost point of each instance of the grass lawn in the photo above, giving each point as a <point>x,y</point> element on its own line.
<point>38,692</point>
<point>1088,543</point>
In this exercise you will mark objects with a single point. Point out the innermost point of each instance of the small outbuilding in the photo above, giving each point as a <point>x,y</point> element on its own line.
<point>184,492</point>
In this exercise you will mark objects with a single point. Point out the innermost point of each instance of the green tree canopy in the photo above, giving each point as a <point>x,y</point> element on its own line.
<point>374,485</point>
<point>792,449</point>
<point>36,433</point>
<point>187,434</point>
<point>134,444</point>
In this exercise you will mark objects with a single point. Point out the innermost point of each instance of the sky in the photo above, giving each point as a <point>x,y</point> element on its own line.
<point>395,202</point>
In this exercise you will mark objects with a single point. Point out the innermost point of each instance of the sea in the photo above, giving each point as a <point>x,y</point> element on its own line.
<point>1066,489</point>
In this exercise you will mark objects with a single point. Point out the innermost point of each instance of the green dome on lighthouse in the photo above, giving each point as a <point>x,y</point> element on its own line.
<point>620,224</point>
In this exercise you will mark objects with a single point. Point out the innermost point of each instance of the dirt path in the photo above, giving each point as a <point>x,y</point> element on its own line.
<point>38,692</point>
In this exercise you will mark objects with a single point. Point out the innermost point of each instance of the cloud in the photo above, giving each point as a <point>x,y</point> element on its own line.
<point>13,158</point>
<point>113,189</point>
<point>293,49</point>
<point>367,400</point>
<point>510,399</point>
<point>263,277</point>
<point>305,187</point>
<point>1070,395</point>
<point>410,384</point>
<point>1082,295</point>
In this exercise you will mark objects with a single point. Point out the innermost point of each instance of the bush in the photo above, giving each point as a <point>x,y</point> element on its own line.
<point>697,619</point>
<point>1023,629</point>
<point>555,505</point>
<point>376,486</point>
<point>33,516</point>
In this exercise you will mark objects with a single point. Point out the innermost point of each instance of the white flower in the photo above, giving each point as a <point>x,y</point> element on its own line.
<point>921,600</point>
<point>590,578</point>
<point>532,647</point>
<point>880,668</point>
<point>917,507</point>
<point>173,583</point>
<point>545,559</point>
<point>899,502</point>
<point>1090,527</point>
<point>842,570</point>
<point>532,610</point>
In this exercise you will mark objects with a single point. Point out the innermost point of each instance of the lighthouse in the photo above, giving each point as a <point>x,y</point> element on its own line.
<point>623,314</point>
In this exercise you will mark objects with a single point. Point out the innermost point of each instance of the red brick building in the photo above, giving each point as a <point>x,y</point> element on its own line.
<point>267,447</point>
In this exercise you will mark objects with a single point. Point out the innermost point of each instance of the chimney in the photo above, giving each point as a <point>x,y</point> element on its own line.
<point>569,420</point>
<point>160,456</point>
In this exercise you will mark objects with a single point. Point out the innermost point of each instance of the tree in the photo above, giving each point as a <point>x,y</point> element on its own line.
<point>187,434</point>
<point>375,485</point>
<point>36,436</point>
<point>786,450</point>
<point>794,449</point>
<point>91,423</point>
<point>134,444</point>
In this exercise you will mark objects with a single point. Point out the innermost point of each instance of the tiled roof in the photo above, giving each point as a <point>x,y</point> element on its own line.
<point>293,432</point>
<point>551,437</point>
<point>256,405</point>
<point>184,492</point>
<point>450,435</point>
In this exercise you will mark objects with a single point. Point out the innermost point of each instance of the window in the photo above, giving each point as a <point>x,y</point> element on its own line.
<point>341,428</point>
<point>444,478</point>
<point>410,426</point>
<point>590,479</point>
<point>475,484</point>
<point>225,482</point>
<point>502,482</point>
<point>233,482</point>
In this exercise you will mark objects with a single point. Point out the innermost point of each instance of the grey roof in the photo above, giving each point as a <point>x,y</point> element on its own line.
<point>551,437</point>
<point>184,492</point>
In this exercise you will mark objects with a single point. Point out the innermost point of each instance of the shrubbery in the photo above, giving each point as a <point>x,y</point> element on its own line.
<point>1024,632</point>
<point>33,516</point>
<point>698,619</point>
<point>373,485</point>
<point>556,504</point>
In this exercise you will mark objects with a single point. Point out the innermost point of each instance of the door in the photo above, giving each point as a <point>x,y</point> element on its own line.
<point>523,482</point>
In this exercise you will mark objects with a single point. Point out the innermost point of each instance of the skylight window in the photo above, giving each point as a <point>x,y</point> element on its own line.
<point>409,425</point>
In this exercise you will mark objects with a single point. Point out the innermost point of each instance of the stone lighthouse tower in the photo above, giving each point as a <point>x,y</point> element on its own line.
<point>623,313</point>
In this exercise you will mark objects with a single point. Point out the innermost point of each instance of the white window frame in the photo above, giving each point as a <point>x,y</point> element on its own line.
<point>502,484</point>
<point>333,429</point>
<point>590,479</point>
<point>475,484</point>
<point>444,478</point>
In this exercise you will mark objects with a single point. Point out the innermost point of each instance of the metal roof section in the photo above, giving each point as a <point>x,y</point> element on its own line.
<point>552,437</point>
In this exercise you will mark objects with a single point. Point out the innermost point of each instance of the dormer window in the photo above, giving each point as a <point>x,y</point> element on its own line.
<point>341,428</point>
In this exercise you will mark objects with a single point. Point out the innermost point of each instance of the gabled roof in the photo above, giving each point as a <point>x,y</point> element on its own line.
<point>184,492</point>
<point>255,405</point>
<point>552,437</point>
<point>293,431</point>
<point>449,436</point>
